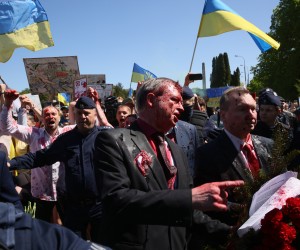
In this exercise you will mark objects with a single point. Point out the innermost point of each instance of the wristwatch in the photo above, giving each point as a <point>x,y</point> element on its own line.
<point>2,93</point>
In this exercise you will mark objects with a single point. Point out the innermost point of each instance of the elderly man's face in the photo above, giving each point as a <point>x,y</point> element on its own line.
<point>167,108</point>
<point>85,119</point>
<point>241,116</point>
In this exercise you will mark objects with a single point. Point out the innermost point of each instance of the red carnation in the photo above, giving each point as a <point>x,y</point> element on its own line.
<point>143,160</point>
<point>271,219</point>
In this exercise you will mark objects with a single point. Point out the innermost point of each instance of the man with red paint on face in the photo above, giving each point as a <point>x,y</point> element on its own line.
<point>142,176</point>
<point>43,180</point>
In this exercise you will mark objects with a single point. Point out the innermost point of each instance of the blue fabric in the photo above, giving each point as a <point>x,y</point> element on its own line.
<point>216,5</point>
<point>15,15</point>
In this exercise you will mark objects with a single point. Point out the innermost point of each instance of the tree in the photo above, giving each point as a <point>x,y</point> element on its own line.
<point>221,74</point>
<point>118,90</point>
<point>279,69</point>
<point>255,86</point>
<point>227,69</point>
<point>213,73</point>
<point>25,91</point>
<point>235,78</point>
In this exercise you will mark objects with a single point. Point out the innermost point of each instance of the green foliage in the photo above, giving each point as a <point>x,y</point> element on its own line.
<point>30,209</point>
<point>25,91</point>
<point>118,90</point>
<point>279,69</point>
<point>221,75</point>
<point>227,69</point>
<point>255,86</point>
<point>213,73</point>
<point>277,165</point>
<point>235,78</point>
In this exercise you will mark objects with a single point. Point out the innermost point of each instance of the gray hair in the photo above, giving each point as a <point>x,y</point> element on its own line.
<point>224,101</point>
<point>154,85</point>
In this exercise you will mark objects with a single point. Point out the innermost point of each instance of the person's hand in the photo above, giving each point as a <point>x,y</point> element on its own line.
<point>213,196</point>
<point>25,101</point>
<point>2,87</point>
<point>187,80</point>
<point>92,93</point>
<point>139,84</point>
<point>18,189</point>
<point>10,95</point>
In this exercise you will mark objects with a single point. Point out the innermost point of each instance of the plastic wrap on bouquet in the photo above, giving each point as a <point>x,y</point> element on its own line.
<point>280,188</point>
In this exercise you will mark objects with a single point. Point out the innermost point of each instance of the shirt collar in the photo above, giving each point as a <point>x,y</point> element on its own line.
<point>147,129</point>
<point>237,142</point>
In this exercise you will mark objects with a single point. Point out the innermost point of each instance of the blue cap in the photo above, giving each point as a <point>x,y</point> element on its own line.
<point>187,93</point>
<point>85,102</point>
<point>269,98</point>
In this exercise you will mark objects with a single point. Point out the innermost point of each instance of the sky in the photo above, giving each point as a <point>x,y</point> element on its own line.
<point>109,36</point>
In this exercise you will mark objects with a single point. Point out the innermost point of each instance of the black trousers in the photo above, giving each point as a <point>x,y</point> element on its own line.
<point>44,210</point>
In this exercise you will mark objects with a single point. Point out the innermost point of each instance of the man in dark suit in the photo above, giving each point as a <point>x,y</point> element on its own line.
<point>147,195</point>
<point>8,192</point>
<point>224,158</point>
<point>235,154</point>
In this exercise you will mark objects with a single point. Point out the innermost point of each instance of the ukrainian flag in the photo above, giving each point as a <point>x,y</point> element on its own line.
<point>139,74</point>
<point>23,23</point>
<point>65,98</point>
<point>218,18</point>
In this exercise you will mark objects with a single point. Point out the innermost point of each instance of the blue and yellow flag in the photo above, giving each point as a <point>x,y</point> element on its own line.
<point>218,18</point>
<point>23,23</point>
<point>64,98</point>
<point>139,74</point>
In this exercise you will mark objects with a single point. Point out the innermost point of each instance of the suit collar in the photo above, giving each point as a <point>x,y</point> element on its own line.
<point>235,156</point>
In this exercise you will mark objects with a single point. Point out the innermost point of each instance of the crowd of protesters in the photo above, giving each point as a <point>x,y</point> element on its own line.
<point>155,171</point>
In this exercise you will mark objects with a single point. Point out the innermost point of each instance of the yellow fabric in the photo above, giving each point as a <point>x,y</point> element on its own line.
<point>12,152</point>
<point>21,147</point>
<point>33,37</point>
<point>219,22</point>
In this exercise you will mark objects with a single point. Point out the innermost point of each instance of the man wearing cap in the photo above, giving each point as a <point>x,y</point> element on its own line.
<point>77,191</point>
<point>269,111</point>
<point>43,180</point>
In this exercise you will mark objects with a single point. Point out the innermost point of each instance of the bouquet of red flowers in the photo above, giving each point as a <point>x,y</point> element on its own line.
<point>280,227</point>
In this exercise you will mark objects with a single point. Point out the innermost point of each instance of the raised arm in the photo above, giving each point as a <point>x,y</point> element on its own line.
<point>8,124</point>
<point>25,100</point>
<point>92,93</point>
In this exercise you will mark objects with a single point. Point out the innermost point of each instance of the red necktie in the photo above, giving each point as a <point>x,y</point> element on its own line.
<point>164,155</point>
<point>251,158</point>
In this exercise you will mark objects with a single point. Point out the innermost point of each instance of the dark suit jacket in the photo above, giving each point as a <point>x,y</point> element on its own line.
<point>219,161</point>
<point>7,187</point>
<point>140,212</point>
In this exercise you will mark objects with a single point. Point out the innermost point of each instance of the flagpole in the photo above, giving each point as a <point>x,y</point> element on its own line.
<point>3,81</point>
<point>193,54</point>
